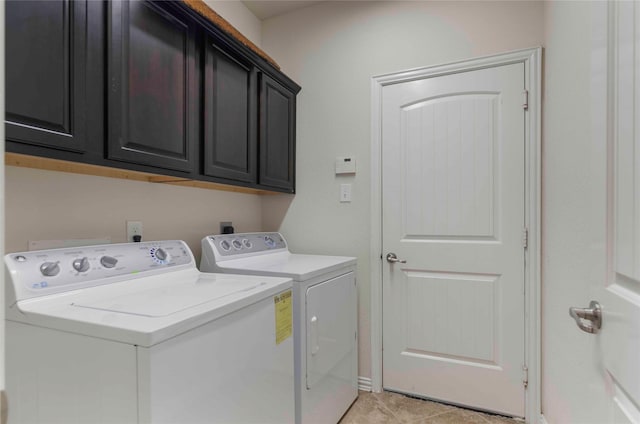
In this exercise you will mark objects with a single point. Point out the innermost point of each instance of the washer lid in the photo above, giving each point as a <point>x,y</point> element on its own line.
<point>146,311</point>
<point>168,299</point>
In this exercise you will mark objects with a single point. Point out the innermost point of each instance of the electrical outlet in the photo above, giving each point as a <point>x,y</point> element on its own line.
<point>225,224</point>
<point>134,228</point>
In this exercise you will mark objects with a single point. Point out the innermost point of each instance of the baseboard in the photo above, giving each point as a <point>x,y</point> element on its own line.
<point>364,384</point>
<point>543,420</point>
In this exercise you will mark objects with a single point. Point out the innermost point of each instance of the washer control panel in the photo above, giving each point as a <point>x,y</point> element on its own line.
<point>57,270</point>
<point>246,243</point>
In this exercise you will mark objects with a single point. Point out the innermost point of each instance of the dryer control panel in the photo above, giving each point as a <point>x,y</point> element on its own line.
<point>226,245</point>
<point>43,272</point>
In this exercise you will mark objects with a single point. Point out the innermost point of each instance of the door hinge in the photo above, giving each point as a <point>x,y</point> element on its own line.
<point>525,99</point>
<point>525,237</point>
<point>525,375</point>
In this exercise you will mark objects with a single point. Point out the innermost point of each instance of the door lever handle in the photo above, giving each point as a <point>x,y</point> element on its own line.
<point>392,258</point>
<point>588,319</point>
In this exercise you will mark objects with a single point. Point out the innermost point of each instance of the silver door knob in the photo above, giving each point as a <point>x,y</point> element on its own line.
<point>392,258</point>
<point>588,319</point>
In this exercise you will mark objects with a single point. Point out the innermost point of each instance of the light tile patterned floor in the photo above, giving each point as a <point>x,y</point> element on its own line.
<point>393,408</point>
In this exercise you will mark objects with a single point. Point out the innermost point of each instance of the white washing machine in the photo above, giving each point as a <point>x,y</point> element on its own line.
<point>325,315</point>
<point>134,333</point>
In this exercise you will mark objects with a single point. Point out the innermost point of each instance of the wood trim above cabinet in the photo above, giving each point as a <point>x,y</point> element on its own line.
<point>203,9</point>
<point>36,162</point>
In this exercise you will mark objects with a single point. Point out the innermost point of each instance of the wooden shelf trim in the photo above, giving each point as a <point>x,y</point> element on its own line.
<point>203,9</point>
<point>36,162</point>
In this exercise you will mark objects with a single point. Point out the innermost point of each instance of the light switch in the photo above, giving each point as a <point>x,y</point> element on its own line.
<point>345,165</point>
<point>345,193</point>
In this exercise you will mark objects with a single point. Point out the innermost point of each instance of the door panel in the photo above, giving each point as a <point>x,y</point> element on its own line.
<point>152,96</point>
<point>277,135</point>
<point>437,302</point>
<point>46,41</point>
<point>450,144</point>
<point>330,331</point>
<point>453,208</point>
<point>230,117</point>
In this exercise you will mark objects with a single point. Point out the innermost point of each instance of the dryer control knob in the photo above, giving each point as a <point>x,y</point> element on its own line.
<point>108,261</point>
<point>81,264</point>
<point>270,242</point>
<point>49,269</point>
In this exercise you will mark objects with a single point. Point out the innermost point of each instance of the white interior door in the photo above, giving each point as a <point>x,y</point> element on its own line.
<point>3,401</point>
<point>618,350</point>
<point>453,208</point>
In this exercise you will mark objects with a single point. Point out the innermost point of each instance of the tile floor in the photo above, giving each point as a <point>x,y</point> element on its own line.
<point>392,408</point>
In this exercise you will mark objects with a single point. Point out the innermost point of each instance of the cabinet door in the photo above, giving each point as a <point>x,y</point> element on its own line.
<point>45,73</point>
<point>152,86</point>
<point>230,116</point>
<point>277,136</point>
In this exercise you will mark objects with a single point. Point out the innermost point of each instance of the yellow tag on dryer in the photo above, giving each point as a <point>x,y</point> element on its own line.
<point>284,314</point>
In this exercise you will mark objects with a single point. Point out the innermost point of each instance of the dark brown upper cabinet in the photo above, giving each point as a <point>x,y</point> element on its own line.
<point>230,116</point>
<point>46,73</point>
<point>277,135</point>
<point>153,88</point>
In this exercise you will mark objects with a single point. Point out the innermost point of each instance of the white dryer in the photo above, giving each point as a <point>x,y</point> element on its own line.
<point>325,315</point>
<point>134,333</point>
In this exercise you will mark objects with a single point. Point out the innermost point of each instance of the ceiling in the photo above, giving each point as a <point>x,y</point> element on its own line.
<point>265,9</point>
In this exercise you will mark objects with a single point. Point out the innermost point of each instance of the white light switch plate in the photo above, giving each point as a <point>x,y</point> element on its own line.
<point>345,193</point>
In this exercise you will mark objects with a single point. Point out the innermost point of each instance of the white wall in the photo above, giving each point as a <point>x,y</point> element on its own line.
<point>42,205</point>
<point>333,49</point>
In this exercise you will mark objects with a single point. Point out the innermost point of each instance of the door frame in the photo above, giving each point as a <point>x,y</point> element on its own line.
<point>531,58</point>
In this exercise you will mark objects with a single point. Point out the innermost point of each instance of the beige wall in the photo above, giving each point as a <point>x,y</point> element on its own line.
<point>237,14</point>
<point>333,49</point>
<point>47,205</point>
<point>43,205</point>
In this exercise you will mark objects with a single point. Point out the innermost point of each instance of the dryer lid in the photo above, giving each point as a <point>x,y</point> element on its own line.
<point>299,267</point>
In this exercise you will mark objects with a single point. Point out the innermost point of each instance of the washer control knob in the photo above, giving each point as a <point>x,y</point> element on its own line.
<point>225,245</point>
<point>81,264</point>
<point>108,261</point>
<point>161,255</point>
<point>237,244</point>
<point>247,243</point>
<point>49,269</point>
